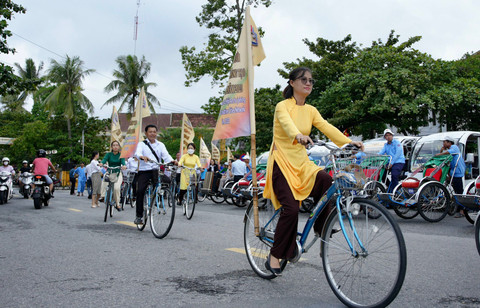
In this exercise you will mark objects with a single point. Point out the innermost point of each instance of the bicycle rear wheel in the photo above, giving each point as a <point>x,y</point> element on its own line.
<point>374,276</point>
<point>162,214</point>
<point>190,202</point>
<point>258,247</point>
<point>124,195</point>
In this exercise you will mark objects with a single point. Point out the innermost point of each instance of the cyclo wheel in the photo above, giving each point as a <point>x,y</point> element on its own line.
<point>162,214</point>
<point>146,202</point>
<point>217,197</point>
<point>373,189</point>
<point>258,247</point>
<point>374,276</point>
<point>433,202</point>
<point>107,204</point>
<point>471,216</point>
<point>404,211</point>
<point>238,201</point>
<point>190,202</point>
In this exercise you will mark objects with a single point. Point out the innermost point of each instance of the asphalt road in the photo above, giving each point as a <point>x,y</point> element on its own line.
<point>64,255</point>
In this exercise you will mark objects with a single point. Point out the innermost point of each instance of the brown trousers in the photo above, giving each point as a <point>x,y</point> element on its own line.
<point>284,242</point>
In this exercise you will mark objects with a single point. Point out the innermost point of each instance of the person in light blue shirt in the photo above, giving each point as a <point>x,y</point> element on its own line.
<point>395,149</point>
<point>82,179</point>
<point>457,166</point>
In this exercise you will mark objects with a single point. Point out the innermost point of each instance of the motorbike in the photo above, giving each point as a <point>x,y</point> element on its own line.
<point>6,184</point>
<point>26,179</point>
<point>41,192</point>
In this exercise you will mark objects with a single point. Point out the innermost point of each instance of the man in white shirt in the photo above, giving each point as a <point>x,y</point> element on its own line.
<point>239,169</point>
<point>153,150</point>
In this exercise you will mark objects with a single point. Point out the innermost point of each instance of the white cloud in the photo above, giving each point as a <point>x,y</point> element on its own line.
<point>100,31</point>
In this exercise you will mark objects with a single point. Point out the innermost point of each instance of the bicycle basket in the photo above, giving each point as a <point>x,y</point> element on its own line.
<point>350,177</point>
<point>130,177</point>
<point>110,177</point>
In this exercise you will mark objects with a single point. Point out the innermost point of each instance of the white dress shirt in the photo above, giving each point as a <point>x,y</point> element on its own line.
<point>144,150</point>
<point>239,167</point>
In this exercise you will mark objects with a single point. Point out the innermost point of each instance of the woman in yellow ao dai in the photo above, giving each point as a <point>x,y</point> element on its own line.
<point>189,160</point>
<point>291,176</point>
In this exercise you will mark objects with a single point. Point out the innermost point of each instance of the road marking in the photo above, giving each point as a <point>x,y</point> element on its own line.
<point>127,223</point>
<point>75,210</point>
<point>259,253</point>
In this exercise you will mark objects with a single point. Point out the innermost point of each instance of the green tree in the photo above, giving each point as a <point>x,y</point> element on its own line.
<point>130,78</point>
<point>9,83</point>
<point>67,95</point>
<point>224,19</point>
<point>31,78</point>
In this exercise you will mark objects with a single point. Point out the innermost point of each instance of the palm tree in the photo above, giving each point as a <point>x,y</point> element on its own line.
<point>30,76</point>
<point>130,78</point>
<point>67,95</point>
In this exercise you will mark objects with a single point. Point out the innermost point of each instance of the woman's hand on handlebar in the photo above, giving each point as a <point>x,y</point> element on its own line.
<point>303,139</point>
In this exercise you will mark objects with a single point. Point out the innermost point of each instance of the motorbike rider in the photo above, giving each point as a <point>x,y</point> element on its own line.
<point>6,167</point>
<point>25,168</point>
<point>40,167</point>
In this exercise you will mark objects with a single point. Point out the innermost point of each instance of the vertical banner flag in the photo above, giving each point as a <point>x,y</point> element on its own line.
<point>229,154</point>
<point>237,111</point>
<point>187,134</point>
<point>215,153</point>
<point>134,134</point>
<point>115,130</point>
<point>204,154</point>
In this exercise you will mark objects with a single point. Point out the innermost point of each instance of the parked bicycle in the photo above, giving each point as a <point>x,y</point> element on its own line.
<point>158,206</point>
<point>366,254</point>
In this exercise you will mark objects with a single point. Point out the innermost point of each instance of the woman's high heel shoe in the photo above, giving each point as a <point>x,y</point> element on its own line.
<point>275,271</point>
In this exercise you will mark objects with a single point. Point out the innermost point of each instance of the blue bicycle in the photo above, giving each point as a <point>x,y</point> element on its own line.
<point>364,264</point>
<point>158,207</point>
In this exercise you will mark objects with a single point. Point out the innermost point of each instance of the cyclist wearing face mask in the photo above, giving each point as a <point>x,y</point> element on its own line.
<point>189,160</point>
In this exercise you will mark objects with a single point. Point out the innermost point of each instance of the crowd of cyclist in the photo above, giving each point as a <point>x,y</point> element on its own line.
<point>89,178</point>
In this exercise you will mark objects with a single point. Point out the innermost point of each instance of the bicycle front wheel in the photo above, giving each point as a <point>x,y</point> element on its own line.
<point>477,234</point>
<point>107,204</point>
<point>190,203</point>
<point>373,275</point>
<point>258,247</point>
<point>162,214</point>
<point>146,204</point>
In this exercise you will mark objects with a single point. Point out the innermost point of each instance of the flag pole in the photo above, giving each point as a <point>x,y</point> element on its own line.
<point>181,139</point>
<point>251,97</point>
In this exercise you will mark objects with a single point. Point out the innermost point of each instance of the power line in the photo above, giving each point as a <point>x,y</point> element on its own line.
<point>110,78</point>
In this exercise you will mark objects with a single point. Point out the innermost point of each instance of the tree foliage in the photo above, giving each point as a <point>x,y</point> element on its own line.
<point>9,83</point>
<point>225,19</point>
<point>130,78</point>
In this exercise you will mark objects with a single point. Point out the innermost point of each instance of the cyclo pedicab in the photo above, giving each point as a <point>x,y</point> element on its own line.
<point>429,196</point>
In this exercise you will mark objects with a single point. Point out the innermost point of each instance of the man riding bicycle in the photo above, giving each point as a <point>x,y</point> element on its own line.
<point>149,149</point>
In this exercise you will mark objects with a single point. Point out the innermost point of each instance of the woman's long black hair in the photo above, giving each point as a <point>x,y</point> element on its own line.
<point>299,72</point>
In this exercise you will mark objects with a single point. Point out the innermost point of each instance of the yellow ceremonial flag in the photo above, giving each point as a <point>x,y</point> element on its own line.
<point>237,112</point>
<point>215,153</point>
<point>204,154</point>
<point>187,134</point>
<point>229,154</point>
<point>134,135</point>
<point>115,130</point>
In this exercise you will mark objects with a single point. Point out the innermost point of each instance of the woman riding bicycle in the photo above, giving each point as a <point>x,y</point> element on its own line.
<point>291,176</point>
<point>112,159</point>
<point>189,160</point>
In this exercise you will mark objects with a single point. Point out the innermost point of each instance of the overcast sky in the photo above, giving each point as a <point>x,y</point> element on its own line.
<point>98,31</point>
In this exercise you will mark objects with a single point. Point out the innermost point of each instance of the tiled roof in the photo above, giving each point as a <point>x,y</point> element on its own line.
<point>164,120</point>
